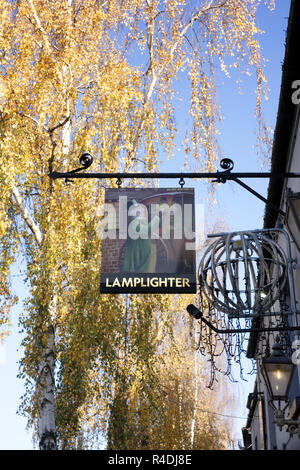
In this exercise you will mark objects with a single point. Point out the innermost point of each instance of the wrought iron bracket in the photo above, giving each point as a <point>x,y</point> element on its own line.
<point>226,164</point>
<point>198,315</point>
<point>292,425</point>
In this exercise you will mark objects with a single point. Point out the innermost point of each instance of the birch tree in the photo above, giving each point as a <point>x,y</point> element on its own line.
<point>182,413</point>
<point>98,76</point>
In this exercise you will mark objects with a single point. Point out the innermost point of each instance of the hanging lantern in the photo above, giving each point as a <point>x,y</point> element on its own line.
<point>243,273</point>
<point>278,371</point>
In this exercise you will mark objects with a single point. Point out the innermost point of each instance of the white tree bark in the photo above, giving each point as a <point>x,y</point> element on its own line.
<point>46,381</point>
<point>26,216</point>
<point>46,390</point>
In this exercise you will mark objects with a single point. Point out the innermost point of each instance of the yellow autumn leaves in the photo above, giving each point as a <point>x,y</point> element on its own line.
<point>99,76</point>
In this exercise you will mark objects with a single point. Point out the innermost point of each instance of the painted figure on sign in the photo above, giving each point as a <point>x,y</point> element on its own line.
<point>140,250</point>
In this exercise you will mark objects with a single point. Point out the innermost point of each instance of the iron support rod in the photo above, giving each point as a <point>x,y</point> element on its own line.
<point>255,193</point>
<point>219,174</point>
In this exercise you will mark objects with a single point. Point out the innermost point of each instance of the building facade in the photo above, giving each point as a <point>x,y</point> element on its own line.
<point>260,432</point>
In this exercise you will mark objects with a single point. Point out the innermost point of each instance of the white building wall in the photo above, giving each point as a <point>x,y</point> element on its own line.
<point>283,439</point>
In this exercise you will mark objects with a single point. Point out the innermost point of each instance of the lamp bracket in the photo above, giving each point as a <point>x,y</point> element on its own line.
<point>292,425</point>
<point>217,177</point>
<point>198,315</point>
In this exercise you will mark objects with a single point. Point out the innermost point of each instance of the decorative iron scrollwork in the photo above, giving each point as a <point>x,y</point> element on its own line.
<point>227,164</point>
<point>86,160</point>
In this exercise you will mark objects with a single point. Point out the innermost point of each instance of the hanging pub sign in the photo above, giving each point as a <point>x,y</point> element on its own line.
<point>148,241</point>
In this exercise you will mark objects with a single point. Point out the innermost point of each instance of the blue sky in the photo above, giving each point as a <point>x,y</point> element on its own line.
<point>240,209</point>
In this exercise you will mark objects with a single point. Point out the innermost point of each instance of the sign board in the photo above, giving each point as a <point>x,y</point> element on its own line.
<point>148,241</point>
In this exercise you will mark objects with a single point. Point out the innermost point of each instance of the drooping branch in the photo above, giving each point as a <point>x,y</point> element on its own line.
<point>156,74</point>
<point>39,26</point>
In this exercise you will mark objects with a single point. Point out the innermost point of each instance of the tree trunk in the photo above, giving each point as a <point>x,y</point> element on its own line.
<point>46,385</point>
<point>46,382</point>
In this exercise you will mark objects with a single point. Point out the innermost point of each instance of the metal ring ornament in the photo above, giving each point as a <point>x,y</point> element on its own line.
<point>243,273</point>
